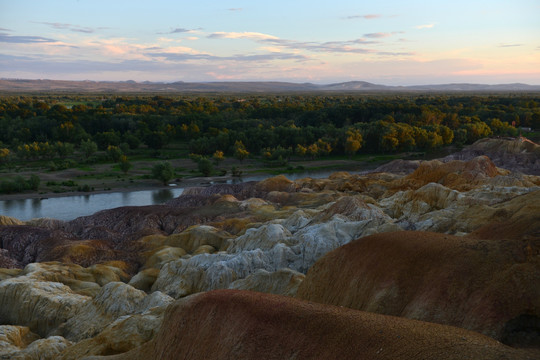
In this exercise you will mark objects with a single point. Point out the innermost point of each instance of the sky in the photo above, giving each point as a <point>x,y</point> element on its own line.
<point>386,42</point>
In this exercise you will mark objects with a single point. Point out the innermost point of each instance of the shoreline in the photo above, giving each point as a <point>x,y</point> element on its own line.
<point>191,181</point>
<point>142,185</point>
<point>184,183</point>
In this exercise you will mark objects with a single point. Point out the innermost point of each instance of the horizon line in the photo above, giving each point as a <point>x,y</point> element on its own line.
<point>266,81</point>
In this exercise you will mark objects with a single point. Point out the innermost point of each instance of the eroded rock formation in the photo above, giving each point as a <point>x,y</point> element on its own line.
<point>100,285</point>
<point>519,154</point>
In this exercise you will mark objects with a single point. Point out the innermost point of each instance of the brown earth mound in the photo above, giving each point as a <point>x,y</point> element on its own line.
<point>457,175</point>
<point>489,286</point>
<point>229,324</point>
<point>519,154</point>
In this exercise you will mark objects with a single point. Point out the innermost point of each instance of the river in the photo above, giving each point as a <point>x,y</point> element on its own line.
<point>71,207</point>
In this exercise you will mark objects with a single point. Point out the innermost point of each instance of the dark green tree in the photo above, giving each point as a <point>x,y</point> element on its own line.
<point>33,182</point>
<point>88,148</point>
<point>205,166</point>
<point>163,171</point>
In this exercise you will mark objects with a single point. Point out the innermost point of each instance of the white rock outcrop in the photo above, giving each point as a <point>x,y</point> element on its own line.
<point>115,299</point>
<point>41,305</point>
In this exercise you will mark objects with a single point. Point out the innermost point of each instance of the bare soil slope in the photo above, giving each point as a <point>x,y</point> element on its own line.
<point>485,285</point>
<point>229,324</point>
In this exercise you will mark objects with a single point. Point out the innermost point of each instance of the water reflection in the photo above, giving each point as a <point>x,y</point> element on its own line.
<point>161,196</point>
<point>235,180</point>
<point>71,207</point>
<point>36,204</point>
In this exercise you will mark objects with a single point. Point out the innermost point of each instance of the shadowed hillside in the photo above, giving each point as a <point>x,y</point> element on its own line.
<point>228,324</point>
<point>481,285</point>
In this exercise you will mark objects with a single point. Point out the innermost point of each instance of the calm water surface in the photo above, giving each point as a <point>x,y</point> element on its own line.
<point>71,207</point>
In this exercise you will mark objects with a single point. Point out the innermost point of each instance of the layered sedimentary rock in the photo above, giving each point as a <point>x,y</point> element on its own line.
<point>6,220</point>
<point>245,325</point>
<point>18,342</point>
<point>114,300</point>
<point>125,333</point>
<point>13,338</point>
<point>41,305</point>
<point>100,284</point>
<point>436,196</point>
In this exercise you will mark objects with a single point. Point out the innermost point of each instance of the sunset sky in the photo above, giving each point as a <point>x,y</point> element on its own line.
<point>385,42</point>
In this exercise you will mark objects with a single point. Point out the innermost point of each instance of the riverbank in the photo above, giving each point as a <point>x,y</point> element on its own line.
<point>132,182</point>
<point>183,183</point>
<point>70,205</point>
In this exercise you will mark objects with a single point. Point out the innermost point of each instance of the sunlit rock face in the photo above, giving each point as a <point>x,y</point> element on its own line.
<point>6,220</point>
<point>99,285</point>
<point>227,324</point>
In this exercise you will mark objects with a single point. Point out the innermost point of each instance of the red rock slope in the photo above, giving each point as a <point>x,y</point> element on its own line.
<point>229,324</point>
<point>485,285</point>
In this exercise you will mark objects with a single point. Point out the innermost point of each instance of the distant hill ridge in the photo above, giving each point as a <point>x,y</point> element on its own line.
<point>21,85</point>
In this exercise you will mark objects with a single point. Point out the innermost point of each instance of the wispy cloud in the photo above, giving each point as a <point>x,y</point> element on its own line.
<point>6,38</point>
<point>66,45</point>
<point>241,35</point>
<point>377,35</point>
<point>395,53</point>
<point>366,17</point>
<point>179,31</point>
<point>509,45</point>
<point>182,57</point>
<point>380,35</point>
<point>235,9</point>
<point>348,46</point>
<point>176,31</point>
<point>362,41</point>
<point>72,27</point>
<point>425,26</point>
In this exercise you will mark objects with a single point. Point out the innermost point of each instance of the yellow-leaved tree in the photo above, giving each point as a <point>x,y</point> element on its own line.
<point>354,141</point>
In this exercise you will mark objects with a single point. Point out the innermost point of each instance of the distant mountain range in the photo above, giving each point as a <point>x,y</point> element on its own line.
<point>17,86</point>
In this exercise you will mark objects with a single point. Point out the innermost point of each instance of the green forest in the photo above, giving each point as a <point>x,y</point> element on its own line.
<point>67,130</point>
